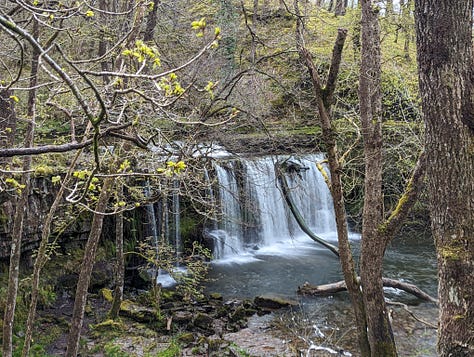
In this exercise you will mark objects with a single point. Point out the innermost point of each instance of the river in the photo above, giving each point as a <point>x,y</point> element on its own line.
<point>280,268</point>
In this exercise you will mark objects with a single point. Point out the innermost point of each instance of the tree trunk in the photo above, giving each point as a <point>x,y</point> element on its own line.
<point>7,122</point>
<point>324,98</point>
<point>340,9</point>
<point>86,269</point>
<point>41,256</point>
<point>151,21</point>
<point>380,334</point>
<point>120,264</point>
<point>20,210</point>
<point>444,43</point>
<point>253,29</point>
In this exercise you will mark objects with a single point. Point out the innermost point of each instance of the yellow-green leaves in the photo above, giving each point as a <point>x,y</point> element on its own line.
<point>15,184</point>
<point>142,52</point>
<point>56,179</point>
<point>124,166</point>
<point>209,88</point>
<point>92,184</point>
<point>171,86</point>
<point>89,13</point>
<point>172,168</point>
<point>82,175</point>
<point>199,26</point>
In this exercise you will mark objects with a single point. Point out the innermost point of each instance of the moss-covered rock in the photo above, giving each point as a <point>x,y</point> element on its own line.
<point>273,302</point>
<point>137,312</point>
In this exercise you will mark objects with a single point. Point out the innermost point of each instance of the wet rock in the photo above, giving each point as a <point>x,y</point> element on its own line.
<point>102,275</point>
<point>273,302</point>
<point>182,317</point>
<point>203,321</point>
<point>241,313</point>
<point>216,296</point>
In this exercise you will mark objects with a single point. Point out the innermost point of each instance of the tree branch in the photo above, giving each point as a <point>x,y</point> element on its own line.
<point>334,69</point>
<point>394,222</point>
<point>56,148</point>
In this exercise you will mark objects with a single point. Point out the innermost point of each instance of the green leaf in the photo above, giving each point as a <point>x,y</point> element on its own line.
<point>56,179</point>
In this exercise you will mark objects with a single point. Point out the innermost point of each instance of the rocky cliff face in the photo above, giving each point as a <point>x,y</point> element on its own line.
<point>39,201</point>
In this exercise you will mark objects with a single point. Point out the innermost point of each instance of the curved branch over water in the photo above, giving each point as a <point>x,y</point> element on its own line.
<point>296,213</point>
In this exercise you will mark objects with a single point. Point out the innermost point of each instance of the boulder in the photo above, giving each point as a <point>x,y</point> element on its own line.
<point>273,302</point>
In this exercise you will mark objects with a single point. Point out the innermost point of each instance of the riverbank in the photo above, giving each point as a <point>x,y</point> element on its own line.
<point>244,329</point>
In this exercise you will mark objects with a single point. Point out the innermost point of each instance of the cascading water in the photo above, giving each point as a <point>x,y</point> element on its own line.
<point>254,213</point>
<point>162,226</point>
<point>177,220</point>
<point>227,236</point>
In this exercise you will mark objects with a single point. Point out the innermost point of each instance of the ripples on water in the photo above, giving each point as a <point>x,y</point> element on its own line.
<point>282,267</point>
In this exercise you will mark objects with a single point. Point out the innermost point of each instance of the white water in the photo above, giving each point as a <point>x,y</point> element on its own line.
<point>255,219</point>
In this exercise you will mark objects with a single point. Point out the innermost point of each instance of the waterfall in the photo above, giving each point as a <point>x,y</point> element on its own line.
<point>254,215</point>
<point>227,237</point>
<point>177,220</point>
<point>162,225</point>
<point>151,226</point>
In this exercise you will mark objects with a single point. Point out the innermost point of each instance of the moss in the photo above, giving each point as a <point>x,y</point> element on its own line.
<point>186,338</point>
<point>453,252</point>
<point>173,350</point>
<point>107,294</point>
<point>107,326</point>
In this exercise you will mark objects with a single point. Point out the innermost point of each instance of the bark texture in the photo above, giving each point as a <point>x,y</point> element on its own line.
<point>324,99</point>
<point>120,264</point>
<point>86,269</point>
<point>373,244</point>
<point>20,210</point>
<point>444,39</point>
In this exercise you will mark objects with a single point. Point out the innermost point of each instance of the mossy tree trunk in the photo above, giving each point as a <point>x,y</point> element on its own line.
<point>445,57</point>
<point>7,122</point>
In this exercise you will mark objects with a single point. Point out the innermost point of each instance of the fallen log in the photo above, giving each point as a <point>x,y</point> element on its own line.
<point>298,217</point>
<point>313,290</point>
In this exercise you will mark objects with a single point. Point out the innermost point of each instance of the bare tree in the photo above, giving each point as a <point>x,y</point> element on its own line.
<point>324,97</point>
<point>21,208</point>
<point>86,268</point>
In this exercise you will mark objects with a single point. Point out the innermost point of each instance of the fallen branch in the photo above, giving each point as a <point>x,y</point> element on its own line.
<point>308,289</point>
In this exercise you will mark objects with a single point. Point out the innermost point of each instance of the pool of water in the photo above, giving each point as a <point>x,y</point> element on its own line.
<point>279,269</point>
